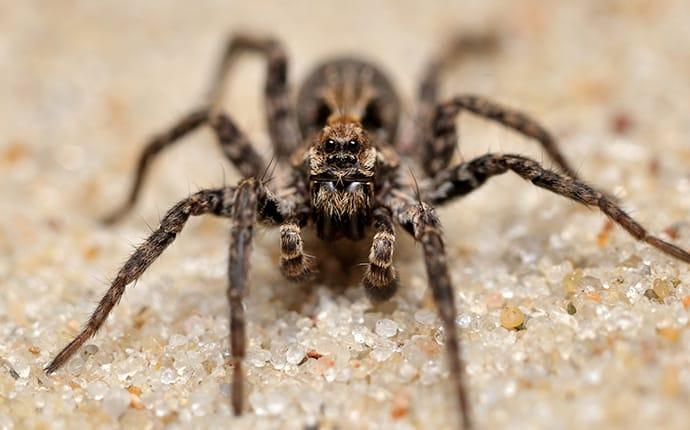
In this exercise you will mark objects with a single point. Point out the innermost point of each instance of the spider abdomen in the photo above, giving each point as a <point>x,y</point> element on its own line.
<point>348,86</point>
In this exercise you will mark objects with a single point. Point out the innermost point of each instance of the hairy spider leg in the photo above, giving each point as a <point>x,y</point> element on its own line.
<point>280,114</point>
<point>235,146</point>
<point>467,177</point>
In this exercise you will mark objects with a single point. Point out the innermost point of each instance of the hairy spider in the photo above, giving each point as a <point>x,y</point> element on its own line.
<point>339,170</point>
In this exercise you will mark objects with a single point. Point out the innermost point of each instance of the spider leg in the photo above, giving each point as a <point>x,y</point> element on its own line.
<point>443,138</point>
<point>217,201</point>
<point>280,115</point>
<point>235,145</point>
<point>295,265</point>
<point>243,217</point>
<point>459,48</point>
<point>184,126</point>
<point>420,220</point>
<point>467,177</point>
<point>380,278</point>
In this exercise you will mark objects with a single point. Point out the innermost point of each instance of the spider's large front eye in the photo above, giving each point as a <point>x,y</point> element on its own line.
<point>352,145</point>
<point>329,145</point>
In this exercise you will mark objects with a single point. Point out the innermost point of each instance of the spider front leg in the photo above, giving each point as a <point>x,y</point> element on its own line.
<point>241,235</point>
<point>235,145</point>
<point>280,115</point>
<point>420,220</point>
<point>380,278</point>
<point>218,202</point>
<point>443,138</point>
<point>467,177</point>
<point>295,265</point>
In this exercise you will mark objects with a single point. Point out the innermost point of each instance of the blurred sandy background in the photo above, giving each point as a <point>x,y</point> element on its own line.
<point>84,83</point>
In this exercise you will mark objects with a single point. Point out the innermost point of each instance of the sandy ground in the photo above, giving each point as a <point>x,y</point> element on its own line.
<point>84,83</point>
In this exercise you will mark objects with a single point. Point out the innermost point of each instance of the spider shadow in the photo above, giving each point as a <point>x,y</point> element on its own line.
<point>340,267</point>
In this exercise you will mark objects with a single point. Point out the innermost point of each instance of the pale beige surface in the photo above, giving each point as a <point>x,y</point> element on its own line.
<point>83,83</point>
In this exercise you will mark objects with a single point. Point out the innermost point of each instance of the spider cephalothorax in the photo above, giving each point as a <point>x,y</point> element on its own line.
<point>341,179</point>
<point>339,147</point>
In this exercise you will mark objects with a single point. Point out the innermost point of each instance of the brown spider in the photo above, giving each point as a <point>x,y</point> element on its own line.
<point>339,170</point>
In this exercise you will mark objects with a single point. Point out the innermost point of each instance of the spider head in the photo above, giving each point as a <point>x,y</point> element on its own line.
<point>341,152</point>
<point>341,163</point>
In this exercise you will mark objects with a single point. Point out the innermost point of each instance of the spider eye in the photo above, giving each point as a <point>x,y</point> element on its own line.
<point>352,145</point>
<point>329,145</point>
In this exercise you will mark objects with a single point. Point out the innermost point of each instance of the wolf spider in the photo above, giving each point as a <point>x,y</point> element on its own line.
<point>339,161</point>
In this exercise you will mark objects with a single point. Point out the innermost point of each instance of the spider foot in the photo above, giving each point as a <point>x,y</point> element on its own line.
<point>380,283</point>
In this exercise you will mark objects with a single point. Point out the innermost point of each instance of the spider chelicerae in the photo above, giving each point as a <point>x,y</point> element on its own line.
<point>339,168</point>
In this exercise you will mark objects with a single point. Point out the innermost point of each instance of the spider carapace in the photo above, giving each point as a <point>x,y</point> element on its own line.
<point>339,143</point>
<point>353,114</point>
